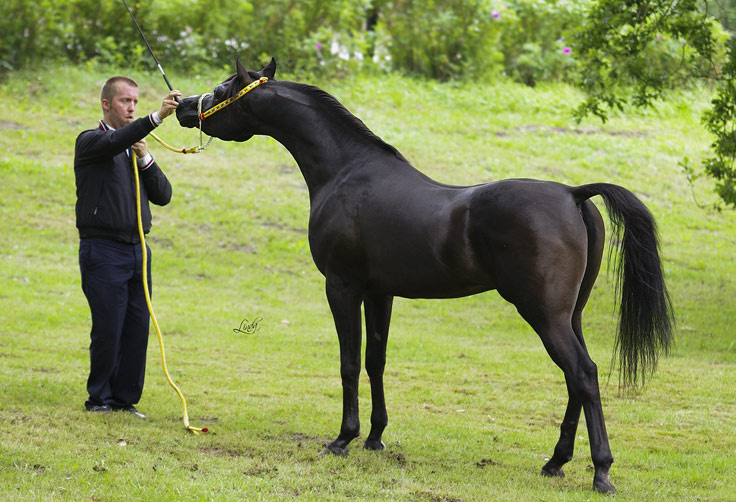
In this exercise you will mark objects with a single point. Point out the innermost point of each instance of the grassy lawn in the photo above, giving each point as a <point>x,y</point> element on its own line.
<point>474,401</point>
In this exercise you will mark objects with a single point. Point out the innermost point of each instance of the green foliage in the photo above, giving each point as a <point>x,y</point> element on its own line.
<point>633,52</point>
<point>720,121</point>
<point>536,45</point>
<point>184,33</point>
<point>306,36</point>
<point>30,31</point>
<point>439,38</point>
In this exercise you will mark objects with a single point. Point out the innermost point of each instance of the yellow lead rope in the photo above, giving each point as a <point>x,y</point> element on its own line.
<point>188,427</point>
<point>194,149</point>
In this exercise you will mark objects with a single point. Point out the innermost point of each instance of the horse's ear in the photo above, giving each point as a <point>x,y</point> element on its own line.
<point>242,72</point>
<point>270,69</point>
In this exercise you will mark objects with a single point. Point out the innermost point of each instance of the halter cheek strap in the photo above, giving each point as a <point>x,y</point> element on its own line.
<point>201,118</point>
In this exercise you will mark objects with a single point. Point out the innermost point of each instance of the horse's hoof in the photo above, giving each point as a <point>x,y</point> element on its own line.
<point>552,470</point>
<point>374,445</point>
<point>603,485</point>
<point>334,450</point>
<point>552,473</point>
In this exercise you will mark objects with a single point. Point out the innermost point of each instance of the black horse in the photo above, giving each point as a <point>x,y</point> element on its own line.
<point>378,228</point>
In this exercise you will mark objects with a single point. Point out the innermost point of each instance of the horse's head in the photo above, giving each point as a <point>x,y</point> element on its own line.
<point>229,123</point>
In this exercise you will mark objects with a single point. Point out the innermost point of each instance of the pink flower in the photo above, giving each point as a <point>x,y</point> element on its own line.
<point>319,46</point>
<point>566,50</point>
<point>495,14</point>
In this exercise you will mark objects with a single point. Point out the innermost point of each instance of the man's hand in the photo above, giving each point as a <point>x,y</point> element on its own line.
<point>169,104</point>
<point>140,148</point>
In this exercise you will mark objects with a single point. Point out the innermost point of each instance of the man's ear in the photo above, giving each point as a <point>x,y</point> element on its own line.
<point>270,69</point>
<point>242,72</point>
<point>105,105</point>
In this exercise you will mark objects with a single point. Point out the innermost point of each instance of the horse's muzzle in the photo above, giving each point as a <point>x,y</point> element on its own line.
<point>186,112</point>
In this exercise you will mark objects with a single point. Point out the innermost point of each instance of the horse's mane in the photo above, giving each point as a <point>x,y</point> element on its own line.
<point>342,113</point>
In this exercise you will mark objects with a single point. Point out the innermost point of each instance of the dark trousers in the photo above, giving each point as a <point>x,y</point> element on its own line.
<point>112,281</point>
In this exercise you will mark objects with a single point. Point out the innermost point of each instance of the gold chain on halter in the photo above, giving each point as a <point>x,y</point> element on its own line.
<point>245,90</point>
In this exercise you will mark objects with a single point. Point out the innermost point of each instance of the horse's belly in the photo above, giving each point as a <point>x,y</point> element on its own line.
<point>438,291</point>
<point>422,275</point>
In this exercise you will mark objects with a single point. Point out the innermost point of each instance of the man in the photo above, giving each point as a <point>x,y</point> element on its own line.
<point>110,255</point>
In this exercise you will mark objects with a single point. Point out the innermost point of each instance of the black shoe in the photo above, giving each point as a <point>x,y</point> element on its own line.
<point>132,410</point>
<point>98,408</point>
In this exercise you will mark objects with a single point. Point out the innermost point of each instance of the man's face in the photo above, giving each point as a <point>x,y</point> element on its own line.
<point>120,111</point>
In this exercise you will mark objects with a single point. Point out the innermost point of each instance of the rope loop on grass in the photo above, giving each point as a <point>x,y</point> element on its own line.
<point>136,175</point>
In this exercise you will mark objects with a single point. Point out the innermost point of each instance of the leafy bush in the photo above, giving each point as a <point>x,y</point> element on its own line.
<point>30,31</point>
<point>720,121</point>
<point>536,45</point>
<point>528,40</point>
<point>183,33</point>
<point>633,52</point>
<point>435,38</point>
<point>439,38</point>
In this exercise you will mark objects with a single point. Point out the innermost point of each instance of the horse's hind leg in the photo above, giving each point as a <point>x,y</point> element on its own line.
<point>377,319</point>
<point>581,375</point>
<point>566,444</point>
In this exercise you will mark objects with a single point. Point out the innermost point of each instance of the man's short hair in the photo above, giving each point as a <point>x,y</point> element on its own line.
<point>110,87</point>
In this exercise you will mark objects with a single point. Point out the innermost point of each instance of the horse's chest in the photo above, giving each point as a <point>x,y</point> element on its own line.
<point>334,238</point>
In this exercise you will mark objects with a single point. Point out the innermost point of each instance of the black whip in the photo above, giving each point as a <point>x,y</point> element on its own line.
<point>149,47</point>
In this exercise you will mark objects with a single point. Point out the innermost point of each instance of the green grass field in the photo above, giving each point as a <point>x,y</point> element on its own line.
<point>474,401</point>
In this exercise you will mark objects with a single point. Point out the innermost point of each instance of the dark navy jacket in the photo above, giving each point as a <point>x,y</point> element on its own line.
<point>105,185</point>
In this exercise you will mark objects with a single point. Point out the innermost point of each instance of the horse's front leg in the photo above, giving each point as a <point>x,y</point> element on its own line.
<point>345,300</point>
<point>377,320</point>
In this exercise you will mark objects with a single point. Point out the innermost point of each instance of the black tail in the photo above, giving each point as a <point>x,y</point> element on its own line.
<point>645,316</point>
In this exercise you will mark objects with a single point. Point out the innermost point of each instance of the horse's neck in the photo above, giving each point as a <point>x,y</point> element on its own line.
<point>317,136</point>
